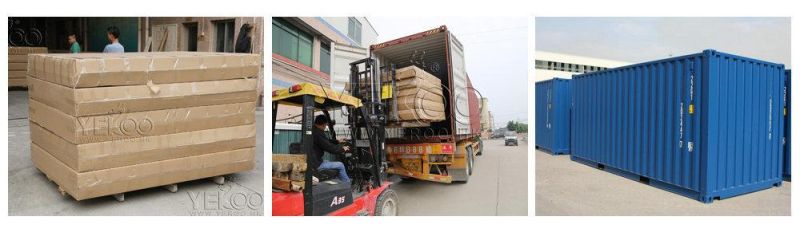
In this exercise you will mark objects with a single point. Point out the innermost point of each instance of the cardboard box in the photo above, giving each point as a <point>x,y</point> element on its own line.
<point>414,72</point>
<point>97,70</point>
<point>17,82</point>
<point>12,66</point>
<point>124,99</point>
<point>18,64</point>
<point>419,96</point>
<point>120,153</point>
<point>114,133</point>
<point>26,50</point>
<point>140,176</point>
<point>90,129</point>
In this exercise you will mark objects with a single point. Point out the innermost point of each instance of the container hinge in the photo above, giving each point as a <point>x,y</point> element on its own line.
<point>783,140</point>
<point>680,125</point>
<point>690,146</point>
<point>691,85</point>
<point>769,124</point>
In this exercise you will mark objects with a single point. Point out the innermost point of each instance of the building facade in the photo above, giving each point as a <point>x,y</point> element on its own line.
<point>551,65</point>
<point>317,50</point>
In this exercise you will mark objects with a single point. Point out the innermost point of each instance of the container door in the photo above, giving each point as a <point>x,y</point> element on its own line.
<point>342,55</point>
<point>460,89</point>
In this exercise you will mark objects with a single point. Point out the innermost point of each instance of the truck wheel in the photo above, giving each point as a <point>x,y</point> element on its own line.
<point>470,161</point>
<point>480,148</point>
<point>386,205</point>
<point>407,179</point>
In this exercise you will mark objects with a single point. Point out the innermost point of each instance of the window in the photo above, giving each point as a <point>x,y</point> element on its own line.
<point>354,29</point>
<point>224,36</point>
<point>325,58</point>
<point>291,42</point>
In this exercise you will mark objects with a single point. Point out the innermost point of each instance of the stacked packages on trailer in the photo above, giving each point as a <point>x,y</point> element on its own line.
<point>707,125</point>
<point>443,149</point>
<point>105,124</point>
<point>18,64</point>
<point>553,100</point>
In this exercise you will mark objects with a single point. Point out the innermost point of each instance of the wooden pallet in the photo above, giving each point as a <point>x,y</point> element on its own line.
<point>121,196</point>
<point>288,172</point>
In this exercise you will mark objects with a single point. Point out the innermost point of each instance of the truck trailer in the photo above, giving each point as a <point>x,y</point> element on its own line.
<point>442,151</point>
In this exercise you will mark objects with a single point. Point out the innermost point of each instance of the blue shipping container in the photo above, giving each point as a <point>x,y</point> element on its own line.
<point>552,115</point>
<point>706,125</point>
<point>787,159</point>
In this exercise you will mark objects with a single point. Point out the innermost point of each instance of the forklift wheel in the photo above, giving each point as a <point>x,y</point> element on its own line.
<point>386,205</point>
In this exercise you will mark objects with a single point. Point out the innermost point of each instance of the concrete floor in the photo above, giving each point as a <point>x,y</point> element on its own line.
<point>564,187</point>
<point>30,193</point>
<point>498,186</point>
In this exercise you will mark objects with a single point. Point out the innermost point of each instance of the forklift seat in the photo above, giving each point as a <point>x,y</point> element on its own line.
<point>327,174</point>
<point>322,175</point>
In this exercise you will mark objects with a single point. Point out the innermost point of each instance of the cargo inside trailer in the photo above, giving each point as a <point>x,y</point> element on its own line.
<point>429,53</point>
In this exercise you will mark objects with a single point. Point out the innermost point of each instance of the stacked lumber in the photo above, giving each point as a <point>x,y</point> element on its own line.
<point>106,124</point>
<point>288,172</point>
<point>18,64</point>
<point>419,96</point>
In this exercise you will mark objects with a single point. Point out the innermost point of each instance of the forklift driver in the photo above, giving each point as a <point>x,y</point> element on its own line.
<point>323,144</point>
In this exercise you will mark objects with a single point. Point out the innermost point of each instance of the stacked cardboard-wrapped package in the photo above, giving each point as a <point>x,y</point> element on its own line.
<point>18,64</point>
<point>104,124</point>
<point>419,96</point>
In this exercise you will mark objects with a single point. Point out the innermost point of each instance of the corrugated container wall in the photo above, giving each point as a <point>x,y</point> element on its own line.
<point>787,159</point>
<point>706,125</point>
<point>553,99</point>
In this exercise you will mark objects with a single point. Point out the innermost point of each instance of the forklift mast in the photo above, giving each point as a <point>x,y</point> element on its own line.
<point>368,122</point>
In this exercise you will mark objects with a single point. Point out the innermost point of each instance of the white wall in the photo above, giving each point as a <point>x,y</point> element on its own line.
<point>368,34</point>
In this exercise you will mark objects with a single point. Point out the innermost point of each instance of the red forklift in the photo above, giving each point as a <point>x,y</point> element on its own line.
<point>369,192</point>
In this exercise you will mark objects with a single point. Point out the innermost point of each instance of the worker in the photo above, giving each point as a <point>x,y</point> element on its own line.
<point>74,47</point>
<point>323,144</point>
<point>243,43</point>
<point>113,37</point>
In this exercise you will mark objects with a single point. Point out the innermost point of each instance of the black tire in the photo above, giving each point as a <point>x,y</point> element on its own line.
<point>480,148</point>
<point>407,179</point>
<point>388,196</point>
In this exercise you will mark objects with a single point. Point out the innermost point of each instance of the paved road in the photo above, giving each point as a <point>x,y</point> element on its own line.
<point>498,186</point>
<point>564,187</point>
<point>30,193</point>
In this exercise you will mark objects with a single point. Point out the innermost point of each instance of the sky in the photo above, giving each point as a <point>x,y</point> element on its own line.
<point>643,39</point>
<point>495,51</point>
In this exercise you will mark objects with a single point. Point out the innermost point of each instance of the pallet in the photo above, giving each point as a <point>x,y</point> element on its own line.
<point>288,185</point>
<point>665,185</point>
<point>120,197</point>
<point>288,172</point>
